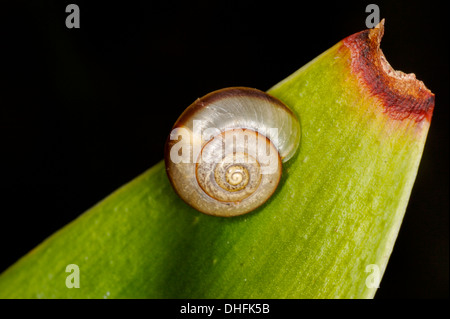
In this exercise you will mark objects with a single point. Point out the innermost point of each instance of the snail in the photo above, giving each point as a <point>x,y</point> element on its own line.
<point>224,154</point>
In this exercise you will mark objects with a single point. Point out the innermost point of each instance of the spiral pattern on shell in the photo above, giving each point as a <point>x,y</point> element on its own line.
<point>224,154</point>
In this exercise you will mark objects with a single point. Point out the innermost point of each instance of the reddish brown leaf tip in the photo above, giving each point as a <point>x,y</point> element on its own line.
<point>402,95</point>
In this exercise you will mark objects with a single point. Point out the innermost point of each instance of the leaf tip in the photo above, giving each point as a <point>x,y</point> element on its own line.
<point>402,95</point>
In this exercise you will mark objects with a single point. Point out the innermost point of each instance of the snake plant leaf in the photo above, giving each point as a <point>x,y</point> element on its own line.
<point>327,232</point>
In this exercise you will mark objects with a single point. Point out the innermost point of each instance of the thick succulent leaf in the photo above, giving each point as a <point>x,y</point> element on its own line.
<point>335,214</point>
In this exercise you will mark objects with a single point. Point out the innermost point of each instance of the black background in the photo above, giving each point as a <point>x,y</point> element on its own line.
<point>83,111</point>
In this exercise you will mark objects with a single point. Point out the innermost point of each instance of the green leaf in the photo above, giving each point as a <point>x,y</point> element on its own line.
<point>328,229</point>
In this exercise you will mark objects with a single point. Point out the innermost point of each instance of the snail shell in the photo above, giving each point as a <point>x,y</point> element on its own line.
<point>224,154</point>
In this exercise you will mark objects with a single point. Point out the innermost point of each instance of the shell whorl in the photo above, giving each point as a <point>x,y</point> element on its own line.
<point>224,154</point>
